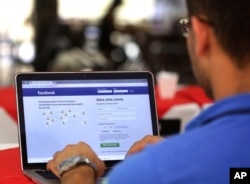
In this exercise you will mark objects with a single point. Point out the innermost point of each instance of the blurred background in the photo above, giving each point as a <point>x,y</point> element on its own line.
<point>100,35</point>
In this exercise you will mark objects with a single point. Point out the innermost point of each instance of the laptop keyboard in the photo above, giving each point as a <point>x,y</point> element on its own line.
<point>47,174</point>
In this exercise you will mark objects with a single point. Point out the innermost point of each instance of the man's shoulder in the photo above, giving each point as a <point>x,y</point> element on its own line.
<point>236,106</point>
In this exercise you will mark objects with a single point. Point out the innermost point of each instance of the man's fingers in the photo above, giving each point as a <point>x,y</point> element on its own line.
<point>136,147</point>
<point>140,145</point>
<point>51,167</point>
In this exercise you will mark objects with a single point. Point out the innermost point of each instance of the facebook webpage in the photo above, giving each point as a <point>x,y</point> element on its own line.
<point>110,116</point>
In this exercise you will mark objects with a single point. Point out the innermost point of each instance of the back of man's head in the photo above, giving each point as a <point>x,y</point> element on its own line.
<point>230,20</point>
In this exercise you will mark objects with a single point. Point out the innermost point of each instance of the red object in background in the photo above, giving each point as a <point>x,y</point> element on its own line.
<point>10,169</point>
<point>8,101</point>
<point>189,94</point>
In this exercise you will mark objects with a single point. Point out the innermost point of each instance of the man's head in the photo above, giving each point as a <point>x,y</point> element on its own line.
<point>230,20</point>
<point>224,22</point>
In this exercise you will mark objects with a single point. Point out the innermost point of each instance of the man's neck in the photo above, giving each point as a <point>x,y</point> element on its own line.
<point>228,80</point>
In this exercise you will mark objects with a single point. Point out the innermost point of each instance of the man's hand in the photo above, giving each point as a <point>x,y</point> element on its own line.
<point>73,150</point>
<point>140,145</point>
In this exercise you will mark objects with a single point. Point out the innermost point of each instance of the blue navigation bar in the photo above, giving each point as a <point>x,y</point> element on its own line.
<point>84,91</point>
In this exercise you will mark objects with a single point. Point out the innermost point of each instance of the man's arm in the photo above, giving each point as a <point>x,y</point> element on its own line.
<point>79,175</point>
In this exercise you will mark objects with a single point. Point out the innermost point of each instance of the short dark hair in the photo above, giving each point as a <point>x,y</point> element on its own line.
<point>231,22</point>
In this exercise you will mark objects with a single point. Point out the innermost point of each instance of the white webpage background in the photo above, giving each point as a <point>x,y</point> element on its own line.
<point>53,122</point>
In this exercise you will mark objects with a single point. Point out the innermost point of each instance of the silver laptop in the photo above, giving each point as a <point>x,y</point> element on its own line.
<point>107,110</point>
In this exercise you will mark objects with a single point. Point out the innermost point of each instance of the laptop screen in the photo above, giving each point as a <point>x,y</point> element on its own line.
<point>108,114</point>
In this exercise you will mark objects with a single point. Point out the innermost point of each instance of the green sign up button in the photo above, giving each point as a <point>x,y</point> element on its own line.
<point>110,145</point>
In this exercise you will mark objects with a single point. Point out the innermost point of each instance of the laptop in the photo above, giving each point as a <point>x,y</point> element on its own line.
<point>108,110</point>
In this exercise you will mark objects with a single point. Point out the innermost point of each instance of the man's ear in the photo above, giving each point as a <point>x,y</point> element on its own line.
<point>201,33</point>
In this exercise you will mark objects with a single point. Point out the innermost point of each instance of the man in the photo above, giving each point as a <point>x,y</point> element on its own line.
<point>218,139</point>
